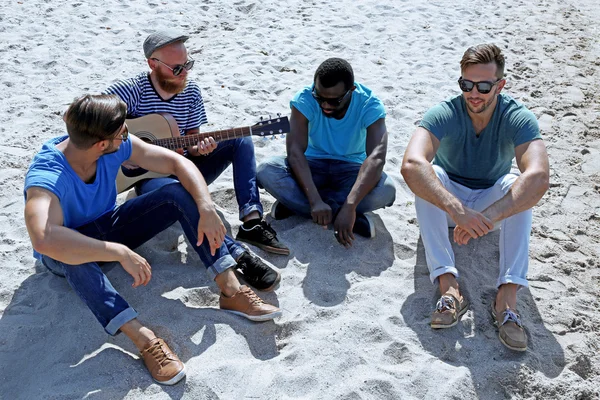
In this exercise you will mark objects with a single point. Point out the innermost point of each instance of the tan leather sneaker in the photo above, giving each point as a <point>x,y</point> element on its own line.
<point>164,366</point>
<point>247,304</point>
<point>510,329</point>
<point>448,311</point>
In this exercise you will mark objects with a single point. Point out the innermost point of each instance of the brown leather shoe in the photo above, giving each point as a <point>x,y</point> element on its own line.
<point>162,363</point>
<point>447,311</point>
<point>510,329</point>
<point>247,304</point>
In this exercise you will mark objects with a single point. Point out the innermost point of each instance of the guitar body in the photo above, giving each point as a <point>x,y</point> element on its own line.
<point>148,128</point>
<point>162,130</point>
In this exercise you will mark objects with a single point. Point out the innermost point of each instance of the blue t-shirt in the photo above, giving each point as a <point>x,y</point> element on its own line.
<point>344,139</point>
<point>478,162</point>
<point>81,202</point>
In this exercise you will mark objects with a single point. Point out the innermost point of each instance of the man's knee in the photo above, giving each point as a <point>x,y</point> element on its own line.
<point>270,169</point>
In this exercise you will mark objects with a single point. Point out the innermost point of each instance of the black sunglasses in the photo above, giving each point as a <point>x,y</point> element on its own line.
<point>123,136</point>
<point>483,87</point>
<point>178,69</point>
<point>333,102</point>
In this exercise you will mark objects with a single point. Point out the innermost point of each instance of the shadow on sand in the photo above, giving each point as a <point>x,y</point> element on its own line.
<point>51,346</point>
<point>475,338</point>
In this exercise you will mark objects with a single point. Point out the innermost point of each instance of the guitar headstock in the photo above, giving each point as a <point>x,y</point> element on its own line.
<point>271,127</point>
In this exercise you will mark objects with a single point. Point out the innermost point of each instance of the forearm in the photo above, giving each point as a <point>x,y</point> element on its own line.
<point>301,171</point>
<point>525,193</point>
<point>422,180</point>
<point>368,177</point>
<point>71,247</point>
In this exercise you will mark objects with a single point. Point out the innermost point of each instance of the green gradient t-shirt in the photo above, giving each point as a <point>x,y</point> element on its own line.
<point>478,162</point>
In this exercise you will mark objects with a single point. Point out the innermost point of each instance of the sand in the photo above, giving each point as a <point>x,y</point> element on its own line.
<point>355,322</point>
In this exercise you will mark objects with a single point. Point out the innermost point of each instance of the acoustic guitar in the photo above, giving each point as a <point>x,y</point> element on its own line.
<point>161,130</point>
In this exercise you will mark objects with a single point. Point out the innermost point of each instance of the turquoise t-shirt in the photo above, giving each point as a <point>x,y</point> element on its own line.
<point>478,162</point>
<point>80,202</point>
<point>343,139</point>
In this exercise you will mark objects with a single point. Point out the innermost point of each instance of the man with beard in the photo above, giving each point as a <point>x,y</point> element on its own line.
<point>336,151</point>
<point>74,222</point>
<point>166,89</point>
<point>472,139</point>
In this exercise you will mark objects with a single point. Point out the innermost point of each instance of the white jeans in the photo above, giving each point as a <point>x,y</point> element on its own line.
<point>514,230</point>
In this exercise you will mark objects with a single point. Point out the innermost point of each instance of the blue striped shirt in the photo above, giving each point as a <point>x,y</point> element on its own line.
<point>142,99</point>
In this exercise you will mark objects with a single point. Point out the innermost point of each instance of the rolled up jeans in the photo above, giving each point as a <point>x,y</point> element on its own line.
<point>514,230</point>
<point>334,180</point>
<point>133,223</point>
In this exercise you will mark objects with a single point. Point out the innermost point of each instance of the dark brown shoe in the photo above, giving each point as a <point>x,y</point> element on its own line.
<point>448,311</point>
<point>164,366</point>
<point>247,304</point>
<point>510,329</point>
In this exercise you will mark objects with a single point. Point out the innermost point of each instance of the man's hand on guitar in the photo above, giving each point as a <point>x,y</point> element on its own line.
<point>204,147</point>
<point>136,266</point>
<point>211,226</point>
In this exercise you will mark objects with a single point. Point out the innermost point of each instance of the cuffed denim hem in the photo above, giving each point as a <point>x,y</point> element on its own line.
<point>221,265</point>
<point>121,319</point>
<point>237,250</point>
<point>441,271</point>
<point>249,208</point>
<point>512,279</point>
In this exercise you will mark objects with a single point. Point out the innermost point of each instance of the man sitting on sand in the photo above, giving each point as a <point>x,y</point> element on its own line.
<point>74,222</point>
<point>166,89</point>
<point>472,139</point>
<point>336,151</point>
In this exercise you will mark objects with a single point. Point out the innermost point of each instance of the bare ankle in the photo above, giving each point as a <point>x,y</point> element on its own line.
<point>228,282</point>
<point>139,334</point>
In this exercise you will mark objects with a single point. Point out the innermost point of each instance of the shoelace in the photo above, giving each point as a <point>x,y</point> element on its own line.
<point>444,303</point>
<point>510,316</point>
<point>157,352</point>
<point>254,299</point>
<point>268,232</point>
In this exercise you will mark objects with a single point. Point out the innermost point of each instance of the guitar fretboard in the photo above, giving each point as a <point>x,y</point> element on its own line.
<point>192,140</point>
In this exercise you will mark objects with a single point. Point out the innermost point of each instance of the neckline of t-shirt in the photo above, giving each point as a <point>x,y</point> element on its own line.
<point>68,164</point>
<point>156,92</point>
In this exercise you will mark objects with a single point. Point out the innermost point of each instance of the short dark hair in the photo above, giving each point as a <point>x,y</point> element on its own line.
<point>333,71</point>
<point>92,118</point>
<point>484,54</point>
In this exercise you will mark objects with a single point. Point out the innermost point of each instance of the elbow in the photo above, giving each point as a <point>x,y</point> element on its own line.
<point>407,168</point>
<point>40,244</point>
<point>542,180</point>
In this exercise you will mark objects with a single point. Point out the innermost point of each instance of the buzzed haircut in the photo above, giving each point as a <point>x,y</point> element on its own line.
<point>333,71</point>
<point>93,118</point>
<point>484,54</point>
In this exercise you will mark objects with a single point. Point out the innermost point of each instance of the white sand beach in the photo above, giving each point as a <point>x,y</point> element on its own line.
<point>355,322</point>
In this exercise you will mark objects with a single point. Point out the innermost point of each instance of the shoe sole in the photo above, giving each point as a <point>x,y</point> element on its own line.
<point>256,318</point>
<point>269,249</point>
<point>174,379</point>
<point>460,314</point>
<point>371,226</point>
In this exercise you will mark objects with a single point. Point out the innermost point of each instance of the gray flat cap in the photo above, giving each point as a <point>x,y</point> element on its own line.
<point>162,38</point>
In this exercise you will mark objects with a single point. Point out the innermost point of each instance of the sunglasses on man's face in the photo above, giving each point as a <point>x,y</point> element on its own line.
<point>178,69</point>
<point>483,87</point>
<point>332,102</point>
<point>123,135</point>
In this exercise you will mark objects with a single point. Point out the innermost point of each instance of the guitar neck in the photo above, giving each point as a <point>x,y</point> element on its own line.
<point>179,142</point>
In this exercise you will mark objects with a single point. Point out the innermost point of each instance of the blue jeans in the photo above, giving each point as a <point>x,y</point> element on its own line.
<point>334,180</point>
<point>240,153</point>
<point>133,223</point>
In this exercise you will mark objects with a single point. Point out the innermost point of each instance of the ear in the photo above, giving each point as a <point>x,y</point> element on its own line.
<point>353,88</point>
<point>101,145</point>
<point>151,64</point>
<point>500,86</point>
